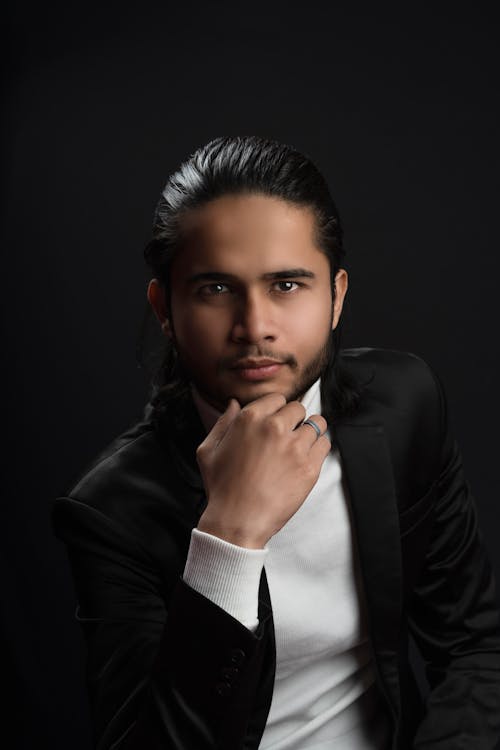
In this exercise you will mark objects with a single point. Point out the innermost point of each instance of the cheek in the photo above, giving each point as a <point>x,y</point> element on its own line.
<point>310,326</point>
<point>198,333</point>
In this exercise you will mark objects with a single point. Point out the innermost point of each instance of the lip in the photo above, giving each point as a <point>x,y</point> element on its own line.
<point>261,369</point>
<point>249,363</point>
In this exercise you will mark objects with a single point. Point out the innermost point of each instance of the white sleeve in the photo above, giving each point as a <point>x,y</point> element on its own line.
<point>226,574</point>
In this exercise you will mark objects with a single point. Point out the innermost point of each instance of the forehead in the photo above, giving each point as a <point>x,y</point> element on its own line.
<point>252,233</point>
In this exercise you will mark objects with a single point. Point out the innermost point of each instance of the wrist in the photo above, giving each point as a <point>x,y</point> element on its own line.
<point>238,537</point>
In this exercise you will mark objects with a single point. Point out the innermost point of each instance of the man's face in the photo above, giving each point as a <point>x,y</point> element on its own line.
<point>251,304</point>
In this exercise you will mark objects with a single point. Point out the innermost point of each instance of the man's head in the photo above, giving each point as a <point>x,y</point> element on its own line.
<point>246,258</point>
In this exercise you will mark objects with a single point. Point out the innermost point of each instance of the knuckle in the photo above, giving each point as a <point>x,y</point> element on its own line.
<point>273,399</point>
<point>247,416</point>
<point>298,410</point>
<point>273,426</point>
<point>301,406</point>
<point>296,451</point>
<point>325,443</point>
<point>279,397</point>
<point>310,470</point>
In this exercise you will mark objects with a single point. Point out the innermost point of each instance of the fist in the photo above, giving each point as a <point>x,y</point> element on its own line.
<point>258,464</point>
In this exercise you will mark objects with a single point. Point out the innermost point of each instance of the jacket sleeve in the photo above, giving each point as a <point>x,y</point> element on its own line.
<point>166,669</point>
<point>454,617</point>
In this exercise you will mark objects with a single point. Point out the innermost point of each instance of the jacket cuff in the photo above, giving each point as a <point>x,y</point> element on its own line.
<point>226,574</point>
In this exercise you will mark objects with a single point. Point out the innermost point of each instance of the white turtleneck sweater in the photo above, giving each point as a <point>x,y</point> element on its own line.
<point>324,695</point>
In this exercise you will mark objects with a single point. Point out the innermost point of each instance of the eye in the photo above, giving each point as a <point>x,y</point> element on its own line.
<point>287,286</point>
<point>213,290</point>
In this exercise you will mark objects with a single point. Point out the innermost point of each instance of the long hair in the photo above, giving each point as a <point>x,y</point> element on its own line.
<point>251,164</point>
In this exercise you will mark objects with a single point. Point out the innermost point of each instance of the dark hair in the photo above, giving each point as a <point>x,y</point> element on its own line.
<point>246,164</point>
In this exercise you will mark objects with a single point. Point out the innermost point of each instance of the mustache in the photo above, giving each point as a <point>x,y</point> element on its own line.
<point>227,363</point>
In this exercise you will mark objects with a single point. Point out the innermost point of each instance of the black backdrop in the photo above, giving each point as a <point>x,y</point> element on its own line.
<point>399,108</point>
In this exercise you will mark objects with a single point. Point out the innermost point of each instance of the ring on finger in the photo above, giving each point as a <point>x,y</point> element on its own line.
<point>313,424</point>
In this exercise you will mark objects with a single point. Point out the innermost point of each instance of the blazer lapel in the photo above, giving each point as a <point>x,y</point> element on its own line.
<point>366,461</point>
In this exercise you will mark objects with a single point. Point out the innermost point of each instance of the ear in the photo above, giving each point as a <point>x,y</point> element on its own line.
<point>157,300</point>
<point>341,284</point>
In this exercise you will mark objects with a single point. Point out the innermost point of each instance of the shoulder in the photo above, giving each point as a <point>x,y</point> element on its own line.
<point>145,477</point>
<point>130,505</point>
<point>387,361</point>
<point>400,374</point>
<point>399,389</point>
<point>124,453</point>
<point>126,475</point>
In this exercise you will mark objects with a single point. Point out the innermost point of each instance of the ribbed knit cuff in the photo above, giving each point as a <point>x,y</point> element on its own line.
<point>226,574</point>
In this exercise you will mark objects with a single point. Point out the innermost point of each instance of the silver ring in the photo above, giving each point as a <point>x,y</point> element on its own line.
<point>314,425</point>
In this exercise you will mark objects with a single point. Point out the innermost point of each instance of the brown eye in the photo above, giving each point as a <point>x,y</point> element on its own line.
<point>213,290</point>
<point>287,286</point>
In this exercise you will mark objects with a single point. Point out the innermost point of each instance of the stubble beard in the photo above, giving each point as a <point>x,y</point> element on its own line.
<point>311,372</point>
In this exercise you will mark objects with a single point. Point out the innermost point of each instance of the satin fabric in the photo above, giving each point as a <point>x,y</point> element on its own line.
<point>169,669</point>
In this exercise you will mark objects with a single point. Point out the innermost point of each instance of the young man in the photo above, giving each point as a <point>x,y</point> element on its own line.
<point>251,557</point>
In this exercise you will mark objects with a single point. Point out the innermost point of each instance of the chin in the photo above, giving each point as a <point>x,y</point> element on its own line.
<point>247,395</point>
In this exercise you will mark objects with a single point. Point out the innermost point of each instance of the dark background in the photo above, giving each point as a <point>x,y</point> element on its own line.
<point>399,109</point>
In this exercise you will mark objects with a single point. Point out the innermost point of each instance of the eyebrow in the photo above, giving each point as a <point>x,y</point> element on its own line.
<point>286,273</point>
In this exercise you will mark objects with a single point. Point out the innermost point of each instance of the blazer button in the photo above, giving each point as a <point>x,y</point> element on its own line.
<point>223,688</point>
<point>237,656</point>
<point>230,673</point>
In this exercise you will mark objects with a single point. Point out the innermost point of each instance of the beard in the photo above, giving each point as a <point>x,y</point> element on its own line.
<point>186,370</point>
<point>305,377</point>
<point>312,371</point>
<point>303,381</point>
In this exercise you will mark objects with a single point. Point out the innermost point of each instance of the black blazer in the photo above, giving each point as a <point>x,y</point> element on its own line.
<point>169,669</point>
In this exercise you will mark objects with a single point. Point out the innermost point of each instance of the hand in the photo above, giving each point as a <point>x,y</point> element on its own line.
<point>258,467</point>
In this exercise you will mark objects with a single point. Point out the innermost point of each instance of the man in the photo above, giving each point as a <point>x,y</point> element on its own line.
<point>251,557</point>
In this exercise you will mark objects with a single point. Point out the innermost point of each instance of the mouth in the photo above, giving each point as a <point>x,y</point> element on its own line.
<point>257,369</point>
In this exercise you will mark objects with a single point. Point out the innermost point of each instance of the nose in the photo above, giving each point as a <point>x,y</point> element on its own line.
<point>253,320</point>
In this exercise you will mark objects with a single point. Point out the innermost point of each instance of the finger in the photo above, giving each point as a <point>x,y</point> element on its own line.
<point>320,449</point>
<point>291,415</point>
<point>265,405</point>
<point>308,433</point>
<point>223,423</point>
<point>285,419</point>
